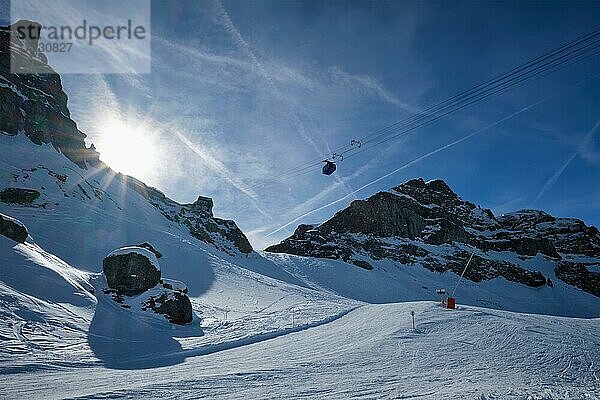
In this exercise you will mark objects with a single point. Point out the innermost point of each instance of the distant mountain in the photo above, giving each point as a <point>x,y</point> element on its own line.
<point>427,224</point>
<point>35,105</point>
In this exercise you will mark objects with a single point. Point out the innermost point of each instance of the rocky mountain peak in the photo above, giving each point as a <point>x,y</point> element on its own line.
<point>427,223</point>
<point>24,34</point>
<point>434,187</point>
<point>202,204</point>
<point>436,192</point>
<point>523,219</point>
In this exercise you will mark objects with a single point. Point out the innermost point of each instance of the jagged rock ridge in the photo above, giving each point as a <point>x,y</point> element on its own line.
<point>412,221</point>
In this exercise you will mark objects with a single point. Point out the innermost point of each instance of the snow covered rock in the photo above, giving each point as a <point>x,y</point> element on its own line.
<point>173,304</point>
<point>427,224</point>
<point>197,217</point>
<point>568,235</point>
<point>201,222</point>
<point>131,270</point>
<point>12,229</point>
<point>579,274</point>
<point>134,280</point>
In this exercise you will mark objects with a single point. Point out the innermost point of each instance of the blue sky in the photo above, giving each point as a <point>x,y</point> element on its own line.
<point>242,92</point>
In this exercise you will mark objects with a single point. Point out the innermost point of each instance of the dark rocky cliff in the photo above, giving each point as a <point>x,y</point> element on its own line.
<point>35,104</point>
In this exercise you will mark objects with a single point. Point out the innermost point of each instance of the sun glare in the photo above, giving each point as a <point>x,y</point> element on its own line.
<point>128,149</point>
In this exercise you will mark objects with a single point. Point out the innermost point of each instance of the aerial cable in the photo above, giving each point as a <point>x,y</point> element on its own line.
<point>500,77</point>
<point>491,81</point>
<point>463,273</point>
<point>500,90</point>
<point>572,56</point>
<point>472,93</point>
<point>519,78</point>
<point>476,94</point>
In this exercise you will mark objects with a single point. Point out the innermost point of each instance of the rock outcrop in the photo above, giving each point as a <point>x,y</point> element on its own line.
<point>198,218</point>
<point>578,274</point>
<point>132,271</point>
<point>426,223</point>
<point>173,304</point>
<point>13,229</point>
<point>19,196</point>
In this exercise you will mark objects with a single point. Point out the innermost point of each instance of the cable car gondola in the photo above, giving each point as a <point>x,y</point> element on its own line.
<point>329,167</point>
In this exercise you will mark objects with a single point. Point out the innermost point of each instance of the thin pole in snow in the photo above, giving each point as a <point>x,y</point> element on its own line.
<point>463,273</point>
<point>413,318</point>
<point>293,318</point>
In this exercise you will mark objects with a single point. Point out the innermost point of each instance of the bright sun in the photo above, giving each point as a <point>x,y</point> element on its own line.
<point>128,149</point>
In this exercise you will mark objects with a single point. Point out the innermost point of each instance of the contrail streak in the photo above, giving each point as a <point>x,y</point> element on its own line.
<point>550,182</point>
<point>222,170</point>
<point>239,40</point>
<point>418,159</point>
<point>554,177</point>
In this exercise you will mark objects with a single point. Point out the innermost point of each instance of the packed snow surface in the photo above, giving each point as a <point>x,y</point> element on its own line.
<point>370,352</point>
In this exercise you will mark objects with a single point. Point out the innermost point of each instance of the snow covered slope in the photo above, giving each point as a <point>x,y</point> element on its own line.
<point>371,352</point>
<point>45,307</point>
<point>53,314</point>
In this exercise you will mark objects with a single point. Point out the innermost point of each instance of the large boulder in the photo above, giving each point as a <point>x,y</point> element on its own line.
<point>12,229</point>
<point>173,304</point>
<point>131,270</point>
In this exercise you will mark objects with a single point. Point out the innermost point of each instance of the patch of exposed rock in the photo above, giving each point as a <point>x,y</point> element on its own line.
<point>578,274</point>
<point>19,196</point>
<point>197,217</point>
<point>174,305</point>
<point>13,229</point>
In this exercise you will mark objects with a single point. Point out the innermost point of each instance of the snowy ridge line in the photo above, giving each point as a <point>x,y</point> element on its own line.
<point>260,337</point>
